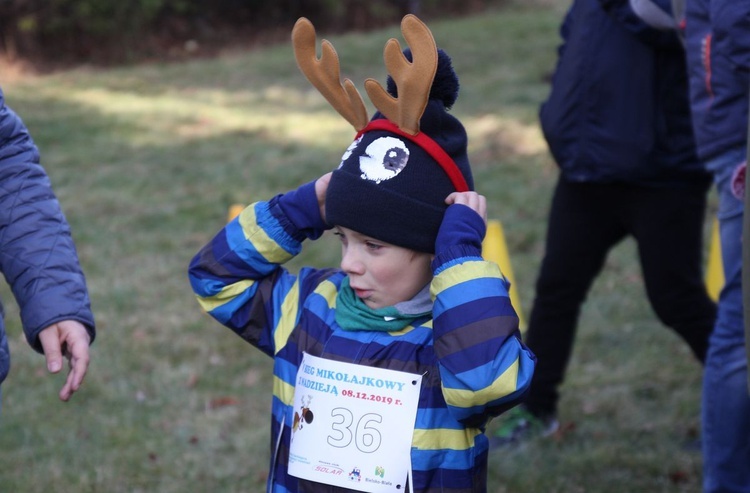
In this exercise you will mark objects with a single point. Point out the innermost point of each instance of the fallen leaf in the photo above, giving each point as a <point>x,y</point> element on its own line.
<point>222,402</point>
<point>679,477</point>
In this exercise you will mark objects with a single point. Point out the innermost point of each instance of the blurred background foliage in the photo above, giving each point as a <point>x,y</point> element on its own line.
<point>116,31</point>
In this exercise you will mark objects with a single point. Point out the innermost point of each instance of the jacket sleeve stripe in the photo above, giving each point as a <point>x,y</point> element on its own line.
<point>428,458</point>
<point>226,299</point>
<point>328,291</point>
<point>286,317</point>
<point>458,394</point>
<point>261,231</point>
<point>437,438</point>
<point>493,299</point>
<point>446,288</point>
<point>283,391</point>
<point>474,334</point>
<point>437,418</point>
<point>459,360</point>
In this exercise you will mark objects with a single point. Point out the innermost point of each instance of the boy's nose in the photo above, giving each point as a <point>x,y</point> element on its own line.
<point>350,262</point>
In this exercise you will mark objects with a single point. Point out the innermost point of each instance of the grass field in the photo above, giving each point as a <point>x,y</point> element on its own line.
<point>146,161</point>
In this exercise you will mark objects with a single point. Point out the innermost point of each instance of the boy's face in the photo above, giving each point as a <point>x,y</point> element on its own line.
<point>382,274</point>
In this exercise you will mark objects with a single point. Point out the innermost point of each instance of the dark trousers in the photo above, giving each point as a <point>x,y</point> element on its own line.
<point>586,220</point>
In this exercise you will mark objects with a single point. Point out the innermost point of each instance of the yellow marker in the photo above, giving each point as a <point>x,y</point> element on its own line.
<point>715,268</point>
<point>234,211</point>
<point>495,249</point>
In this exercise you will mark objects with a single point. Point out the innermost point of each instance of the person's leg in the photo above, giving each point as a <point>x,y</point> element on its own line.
<point>580,232</point>
<point>726,403</point>
<point>667,224</point>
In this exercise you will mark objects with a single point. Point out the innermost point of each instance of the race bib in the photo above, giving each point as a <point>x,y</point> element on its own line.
<point>353,425</point>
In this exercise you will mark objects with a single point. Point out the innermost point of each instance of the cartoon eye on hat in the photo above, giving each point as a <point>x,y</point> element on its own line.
<point>383,159</point>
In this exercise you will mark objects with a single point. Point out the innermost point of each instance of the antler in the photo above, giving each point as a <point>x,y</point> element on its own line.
<point>413,79</point>
<point>324,74</point>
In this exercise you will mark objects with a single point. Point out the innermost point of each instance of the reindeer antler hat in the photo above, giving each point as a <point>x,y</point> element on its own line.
<point>393,179</point>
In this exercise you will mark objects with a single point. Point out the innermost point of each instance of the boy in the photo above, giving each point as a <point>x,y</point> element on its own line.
<point>396,361</point>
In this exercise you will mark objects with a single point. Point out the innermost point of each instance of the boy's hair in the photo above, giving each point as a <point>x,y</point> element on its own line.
<point>393,179</point>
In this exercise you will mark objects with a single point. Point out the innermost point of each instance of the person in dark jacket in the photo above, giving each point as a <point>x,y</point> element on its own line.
<point>39,260</point>
<point>617,122</point>
<point>717,34</point>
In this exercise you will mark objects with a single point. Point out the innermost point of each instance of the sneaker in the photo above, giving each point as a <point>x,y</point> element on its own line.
<point>520,425</point>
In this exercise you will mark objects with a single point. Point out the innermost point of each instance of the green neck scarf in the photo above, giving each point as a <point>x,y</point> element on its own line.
<point>353,314</point>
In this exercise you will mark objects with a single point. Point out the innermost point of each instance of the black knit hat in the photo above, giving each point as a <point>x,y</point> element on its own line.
<point>393,179</point>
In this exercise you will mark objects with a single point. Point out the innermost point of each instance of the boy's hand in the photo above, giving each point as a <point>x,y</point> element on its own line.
<point>67,339</point>
<point>321,186</point>
<point>476,202</point>
<point>464,225</point>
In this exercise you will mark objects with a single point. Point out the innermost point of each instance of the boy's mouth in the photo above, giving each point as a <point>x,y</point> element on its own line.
<point>361,293</point>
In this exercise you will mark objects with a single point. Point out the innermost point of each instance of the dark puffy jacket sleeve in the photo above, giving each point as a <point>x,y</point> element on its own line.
<point>37,254</point>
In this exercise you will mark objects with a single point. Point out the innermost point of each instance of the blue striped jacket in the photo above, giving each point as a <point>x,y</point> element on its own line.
<point>469,350</point>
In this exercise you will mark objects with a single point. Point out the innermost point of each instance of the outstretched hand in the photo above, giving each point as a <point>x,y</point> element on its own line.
<point>473,200</point>
<point>71,340</point>
<point>321,187</point>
